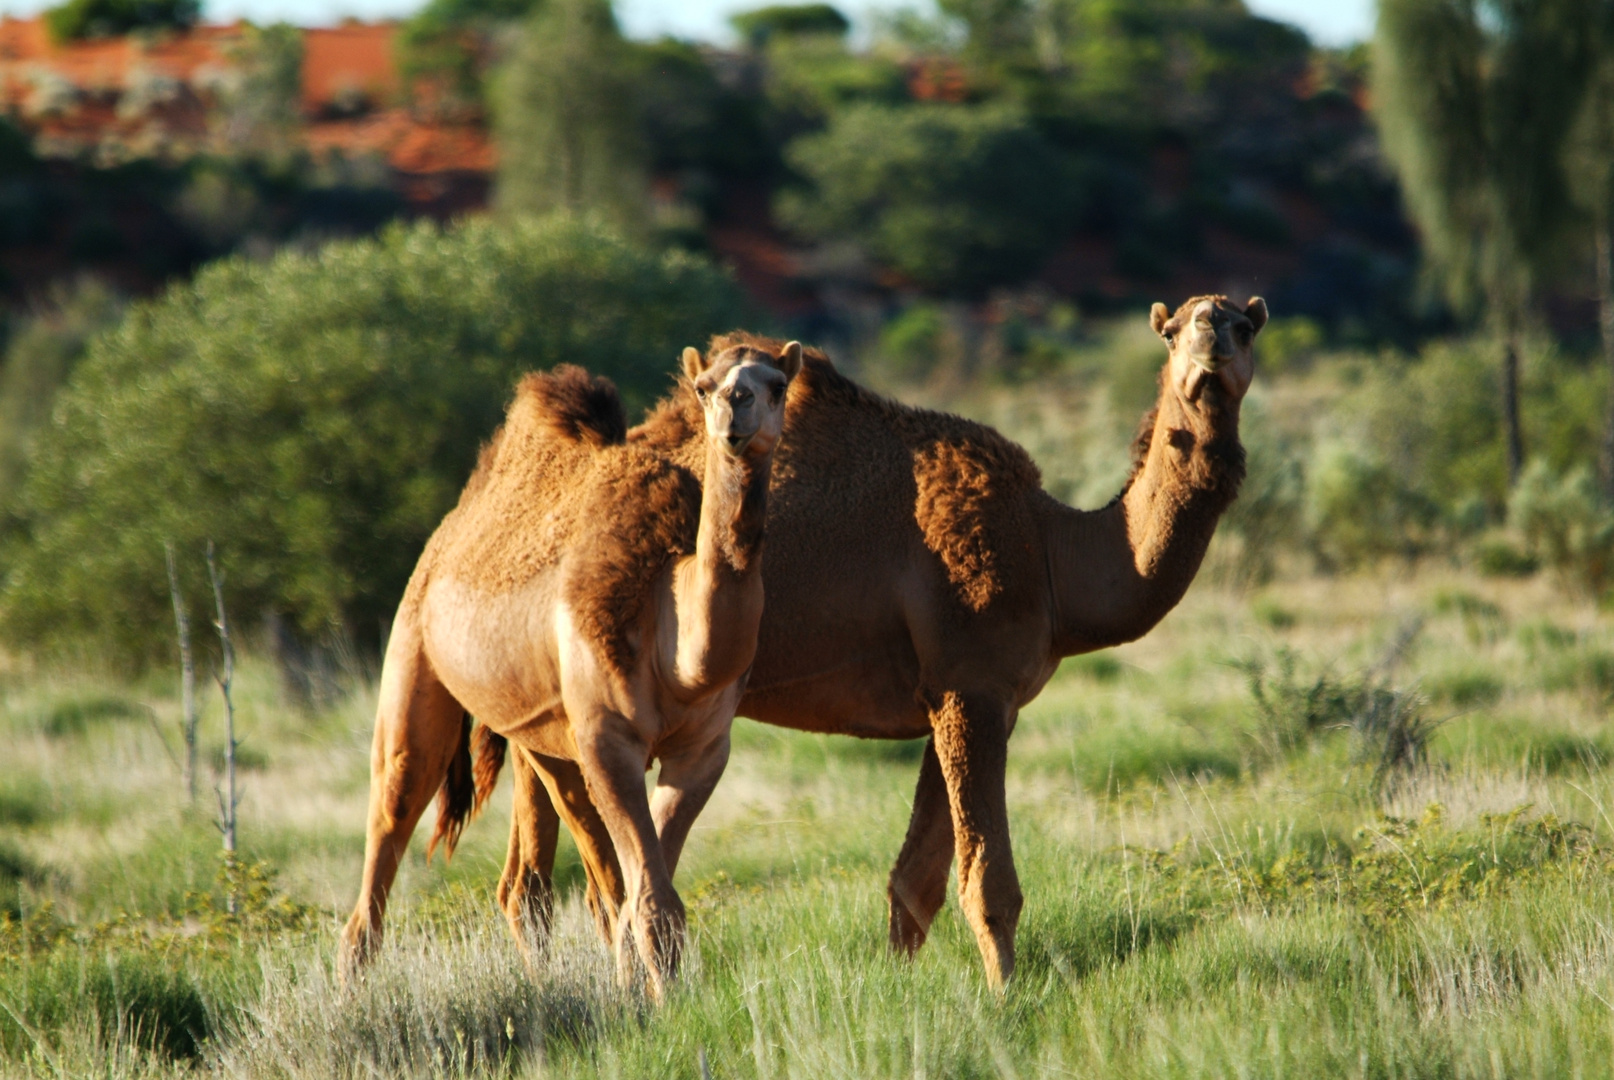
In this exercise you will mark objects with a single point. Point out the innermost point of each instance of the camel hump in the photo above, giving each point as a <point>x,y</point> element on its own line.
<point>575,405</point>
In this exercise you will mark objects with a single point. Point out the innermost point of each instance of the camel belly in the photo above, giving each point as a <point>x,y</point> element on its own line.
<point>494,653</point>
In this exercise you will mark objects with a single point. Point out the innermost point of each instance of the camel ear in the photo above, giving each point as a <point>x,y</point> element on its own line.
<point>789,360</point>
<point>1157,318</point>
<point>1256,312</point>
<point>693,364</point>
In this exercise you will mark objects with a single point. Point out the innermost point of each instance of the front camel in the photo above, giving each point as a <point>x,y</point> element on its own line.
<point>921,583</point>
<point>595,604</point>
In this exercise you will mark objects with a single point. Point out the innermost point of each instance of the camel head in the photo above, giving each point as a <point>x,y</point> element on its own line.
<point>742,393</point>
<point>1211,339</point>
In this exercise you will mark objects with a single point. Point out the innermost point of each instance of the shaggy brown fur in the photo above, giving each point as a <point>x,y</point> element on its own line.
<point>597,603</point>
<point>920,582</point>
<point>558,461</point>
<point>966,477</point>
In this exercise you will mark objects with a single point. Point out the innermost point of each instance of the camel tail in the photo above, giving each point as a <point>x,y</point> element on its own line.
<point>456,799</point>
<point>487,754</point>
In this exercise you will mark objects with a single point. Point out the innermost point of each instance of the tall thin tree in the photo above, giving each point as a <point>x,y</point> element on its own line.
<point>187,673</point>
<point>1475,100</point>
<point>229,798</point>
<point>566,119</point>
<point>1590,162</point>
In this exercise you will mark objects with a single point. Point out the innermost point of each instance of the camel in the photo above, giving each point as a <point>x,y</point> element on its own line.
<point>921,583</point>
<point>595,605</point>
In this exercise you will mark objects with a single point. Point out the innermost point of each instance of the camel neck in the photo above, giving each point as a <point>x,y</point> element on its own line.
<point>1115,573</point>
<point>719,587</point>
<point>734,510</point>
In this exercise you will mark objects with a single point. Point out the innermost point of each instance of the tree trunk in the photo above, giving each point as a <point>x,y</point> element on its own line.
<point>1605,319</point>
<point>1510,404</point>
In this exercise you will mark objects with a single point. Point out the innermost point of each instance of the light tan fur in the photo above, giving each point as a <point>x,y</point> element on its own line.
<point>595,603</point>
<point>921,583</point>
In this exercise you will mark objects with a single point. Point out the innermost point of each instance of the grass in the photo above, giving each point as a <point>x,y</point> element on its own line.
<point>1221,877</point>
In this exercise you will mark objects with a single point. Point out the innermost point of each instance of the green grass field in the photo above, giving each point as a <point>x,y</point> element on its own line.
<point>1223,876</point>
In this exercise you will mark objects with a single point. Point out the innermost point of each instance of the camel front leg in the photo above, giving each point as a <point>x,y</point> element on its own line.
<point>918,885</point>
<point>683,786</point>
<point>612,759</point>
<point>971,737</point>
<point>526,888</point>
<point>417,729</point>
<point>568,795</point>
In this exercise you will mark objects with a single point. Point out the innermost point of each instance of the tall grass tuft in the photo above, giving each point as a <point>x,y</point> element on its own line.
<point>447,996</point>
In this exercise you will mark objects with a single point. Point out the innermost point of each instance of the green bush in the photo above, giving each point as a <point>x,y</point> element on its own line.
<point>959,199</point>
<point>315,416</point>
<point>1361,511</point>
<point>40,355</point>
<point>1567,524</point>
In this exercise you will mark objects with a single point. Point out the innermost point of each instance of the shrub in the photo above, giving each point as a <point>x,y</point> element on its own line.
<point>959,199</point>
<point>1361,511</point>
<point>1567,524</point>
<point>316,415</point>
<point>1268,514</point>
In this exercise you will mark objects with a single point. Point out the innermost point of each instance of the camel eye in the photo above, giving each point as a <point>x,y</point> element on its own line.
<point>700,392</point>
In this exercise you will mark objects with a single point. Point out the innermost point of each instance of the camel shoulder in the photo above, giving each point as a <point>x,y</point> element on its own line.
<point>639,510</point>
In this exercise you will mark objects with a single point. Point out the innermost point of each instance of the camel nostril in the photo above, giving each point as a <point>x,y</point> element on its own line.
<point>738,441</point>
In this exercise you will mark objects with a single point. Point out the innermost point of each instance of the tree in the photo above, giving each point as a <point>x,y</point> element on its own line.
<point>959,199</point>
<point>1475,100</point>
<point>108,18</point>
<point>566,121</point>
<point>263,108</point>
<point>317,415</point>
<point>446,43</point>
<point>1590,161</point>
<point>762,25</point>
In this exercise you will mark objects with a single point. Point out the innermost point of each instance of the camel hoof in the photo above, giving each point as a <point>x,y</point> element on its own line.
<point>353,954</point>
<point>907,935</point>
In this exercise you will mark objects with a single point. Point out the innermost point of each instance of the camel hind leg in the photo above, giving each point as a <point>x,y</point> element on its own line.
<point>419,728</point>
<point>918,886</point>
<point>526,889</point>
<point>568,795</point>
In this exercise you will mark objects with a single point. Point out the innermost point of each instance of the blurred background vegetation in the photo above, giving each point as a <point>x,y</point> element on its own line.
<point>246,340</point>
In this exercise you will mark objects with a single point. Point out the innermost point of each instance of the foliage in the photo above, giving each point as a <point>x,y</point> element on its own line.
<point>41,352</point>
<point>1361,510</point>
<point>1476,101</point>
<point>695,126</point>
<point>1567,525</point>
<point>445,43</point>
<point>1152,62</point>
<point>316,416</point>
<point>109,18</point>
<point>760,26</point>
<point>1269,514</point>
<point>1389,726</point>
<point>262,107</point>
<point>565,118</point>
<point>1402,866</point>
<point>958,199</point>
